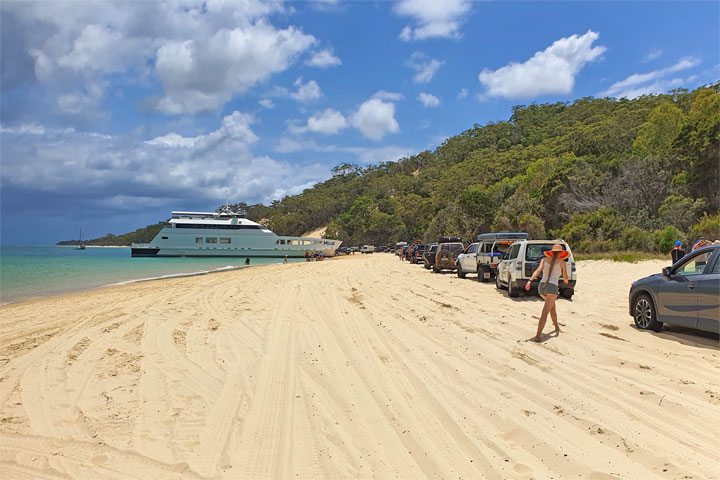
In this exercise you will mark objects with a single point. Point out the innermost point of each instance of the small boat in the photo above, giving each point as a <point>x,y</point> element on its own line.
<point>80,245</point>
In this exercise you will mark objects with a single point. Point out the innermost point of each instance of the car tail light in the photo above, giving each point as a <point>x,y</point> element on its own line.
<point>518,266</point>
<point>494,265</point>
<point>572,266</point>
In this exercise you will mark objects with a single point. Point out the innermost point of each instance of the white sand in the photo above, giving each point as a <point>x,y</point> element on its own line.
<point>357,367</point>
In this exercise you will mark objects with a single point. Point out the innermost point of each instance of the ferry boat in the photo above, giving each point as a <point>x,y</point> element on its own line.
<point>226,234</point>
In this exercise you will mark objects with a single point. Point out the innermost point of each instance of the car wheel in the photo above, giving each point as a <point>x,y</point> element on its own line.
<point>644,314</point>
<point>435,269</point>
<point>498,284</point>
<point>427,267</point>
<point>512,291</point>
<point>460,272</point>
<point>567,293</point>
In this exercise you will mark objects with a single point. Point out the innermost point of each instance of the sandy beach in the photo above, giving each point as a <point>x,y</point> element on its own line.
<point>357,367</point>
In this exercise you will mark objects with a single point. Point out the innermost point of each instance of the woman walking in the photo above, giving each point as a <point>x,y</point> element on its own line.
<point>551,267</point>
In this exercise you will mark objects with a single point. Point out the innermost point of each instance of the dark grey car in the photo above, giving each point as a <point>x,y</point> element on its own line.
<point>686,294</point>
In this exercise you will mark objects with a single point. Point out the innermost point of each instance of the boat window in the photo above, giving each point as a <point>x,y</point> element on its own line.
<point>164,238</point>
<point>210,240</point>
<point>282,242</point>
<point>198,239</point>
<point>224,240</point>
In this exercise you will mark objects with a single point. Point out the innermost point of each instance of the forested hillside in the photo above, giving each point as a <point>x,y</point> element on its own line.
<point>141,235</point>
<point>604,174</point>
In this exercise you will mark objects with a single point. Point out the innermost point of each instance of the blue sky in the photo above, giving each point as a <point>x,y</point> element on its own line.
<point>113,114</point>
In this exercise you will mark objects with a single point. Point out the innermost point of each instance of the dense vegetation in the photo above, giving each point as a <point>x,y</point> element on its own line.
<point>604,174</point>
<point>141,235</point>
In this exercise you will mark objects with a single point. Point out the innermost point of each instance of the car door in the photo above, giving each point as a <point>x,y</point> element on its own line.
<point>708,291</point>
<point>678,293</point>
<point>468,260</point>
<point>506,265</point>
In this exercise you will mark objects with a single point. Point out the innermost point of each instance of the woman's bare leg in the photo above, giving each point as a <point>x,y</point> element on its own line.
<point>543,319</point>
<point>553,316</point>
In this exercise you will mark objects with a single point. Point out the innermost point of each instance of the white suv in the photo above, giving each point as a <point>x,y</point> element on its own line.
<point>523,259</point>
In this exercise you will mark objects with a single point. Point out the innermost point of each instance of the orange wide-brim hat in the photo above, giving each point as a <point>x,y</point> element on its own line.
<point>564,254</point>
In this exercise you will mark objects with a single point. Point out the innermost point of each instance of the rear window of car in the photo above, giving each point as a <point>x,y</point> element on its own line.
<point>534,251</point>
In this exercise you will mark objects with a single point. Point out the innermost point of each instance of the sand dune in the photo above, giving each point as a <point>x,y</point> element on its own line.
<point>358,367</point>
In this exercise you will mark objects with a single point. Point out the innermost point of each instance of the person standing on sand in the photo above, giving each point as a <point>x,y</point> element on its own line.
<point>551,268</point>
<point>285,261</point>
<point>677,252</point>
<point>307,256</point>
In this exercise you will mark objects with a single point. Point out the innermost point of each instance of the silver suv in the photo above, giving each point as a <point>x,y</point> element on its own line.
<point>523,259</point>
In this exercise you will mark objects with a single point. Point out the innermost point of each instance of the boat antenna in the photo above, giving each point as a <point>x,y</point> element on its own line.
<point>227,205</point>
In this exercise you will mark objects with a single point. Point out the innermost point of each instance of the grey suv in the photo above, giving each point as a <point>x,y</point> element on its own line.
<point>686,294</point>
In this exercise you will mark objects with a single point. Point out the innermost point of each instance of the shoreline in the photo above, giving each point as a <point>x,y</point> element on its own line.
<point>364,367</point>
<point>226,268</point>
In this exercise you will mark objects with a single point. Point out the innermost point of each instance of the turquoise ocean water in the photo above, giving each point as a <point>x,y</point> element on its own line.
<point>28,272</point>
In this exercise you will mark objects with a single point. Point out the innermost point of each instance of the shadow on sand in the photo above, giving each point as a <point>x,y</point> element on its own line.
<point>687,336</point>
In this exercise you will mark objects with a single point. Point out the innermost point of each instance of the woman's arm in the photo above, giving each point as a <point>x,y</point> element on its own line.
<point>563,265</point>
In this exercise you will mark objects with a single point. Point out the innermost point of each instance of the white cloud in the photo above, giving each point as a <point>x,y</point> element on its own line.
<point>425,67</point>
<point>323,59</point>
<point>172,140</point>
<point>26,128</point>
<point>646,83</point>
<point>428,100</point>
<point>306,91</point>
<point>328,122</point>
<point>267,103</point>
<point>385,95</point>
<point>175,44</point>
<point>168,169</point>
<point>433,18</point>
<point>375,118</point>
<point>462,94</point>
<point>652,55</point>
<point>551,71</point>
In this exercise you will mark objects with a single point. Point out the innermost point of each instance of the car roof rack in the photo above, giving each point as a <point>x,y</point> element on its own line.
<point>503,236</point>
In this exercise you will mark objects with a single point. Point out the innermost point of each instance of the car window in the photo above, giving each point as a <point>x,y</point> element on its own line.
<point>716,268</point>
<point>445,247</point>
<point>534,251</point>
<point>513,251</point>
<point>694,266</point>
<point>454,247</point>
<point>473,248</point>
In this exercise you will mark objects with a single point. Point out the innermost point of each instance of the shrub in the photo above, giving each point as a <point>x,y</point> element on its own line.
<point>708,227</point>
<point>597,231</point>
<point>667,238</point>
<point>635,238</point>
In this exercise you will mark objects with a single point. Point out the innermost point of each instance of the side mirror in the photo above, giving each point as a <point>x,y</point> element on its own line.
<point>667,271</point>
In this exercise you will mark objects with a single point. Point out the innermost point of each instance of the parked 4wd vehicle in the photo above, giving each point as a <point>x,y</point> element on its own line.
<point>492,250</point>
<point>523,259</point>
<point>685,294</point>
<point>429,255</point>
<point>484,256</point>
<point>417,256</point>
<point>447,251</point>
